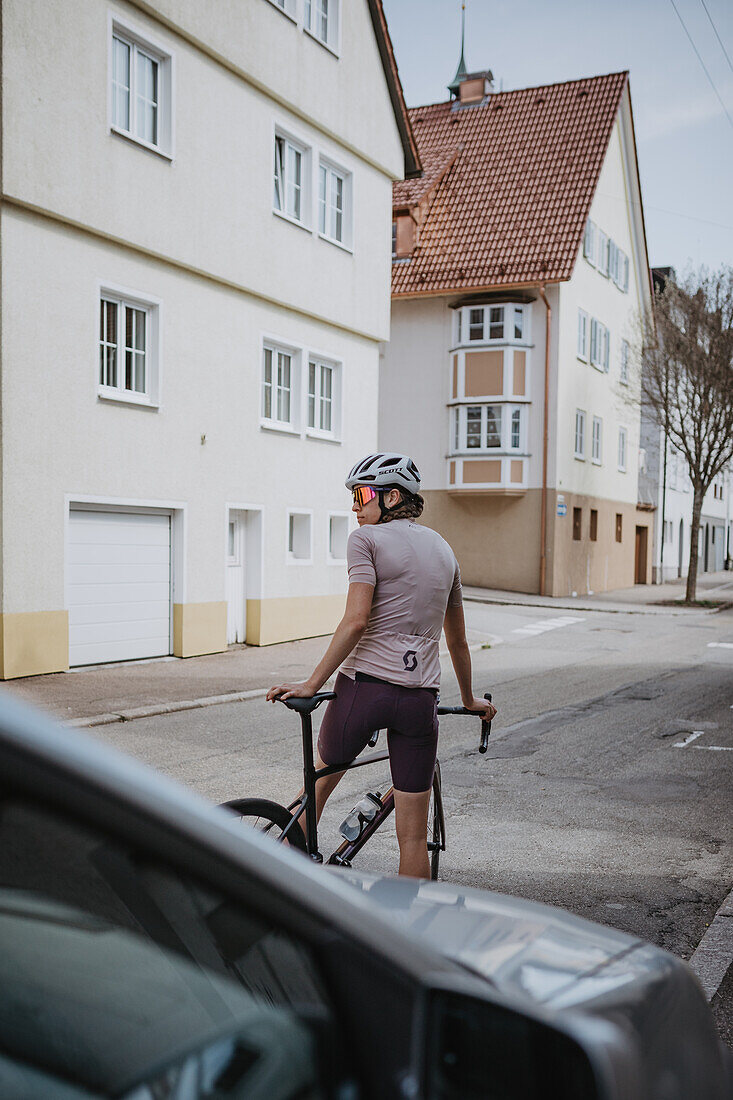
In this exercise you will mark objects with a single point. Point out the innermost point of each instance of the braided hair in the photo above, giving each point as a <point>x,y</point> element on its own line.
<point>410,506</point>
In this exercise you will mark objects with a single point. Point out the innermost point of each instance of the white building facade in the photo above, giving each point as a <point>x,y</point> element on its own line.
<point>195,257</point>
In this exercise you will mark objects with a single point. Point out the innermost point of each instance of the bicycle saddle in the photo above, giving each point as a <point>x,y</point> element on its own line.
<point>305,706</point>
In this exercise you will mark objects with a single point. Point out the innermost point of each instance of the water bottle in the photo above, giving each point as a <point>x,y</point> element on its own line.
<point>363,812</point>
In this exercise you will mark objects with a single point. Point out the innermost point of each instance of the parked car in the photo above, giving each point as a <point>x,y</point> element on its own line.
<point>151,947</point>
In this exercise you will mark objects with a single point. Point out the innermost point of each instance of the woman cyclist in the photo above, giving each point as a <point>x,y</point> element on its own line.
<point>404,588</point>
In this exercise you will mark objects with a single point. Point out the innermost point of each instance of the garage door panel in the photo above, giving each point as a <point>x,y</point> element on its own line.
<point>130,574</point>
<point>84,614</point>
<point>99,652</point>
<point>118,554</point>
<point>118,586</point>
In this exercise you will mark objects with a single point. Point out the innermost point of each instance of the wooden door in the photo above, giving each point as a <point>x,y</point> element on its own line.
<point>641,550</point>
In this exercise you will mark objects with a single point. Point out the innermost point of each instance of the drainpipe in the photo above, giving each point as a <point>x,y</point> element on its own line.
<point>545,414</point>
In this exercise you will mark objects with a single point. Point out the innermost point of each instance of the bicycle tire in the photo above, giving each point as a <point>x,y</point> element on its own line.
<point>436,824</point>
<point>267,817</point>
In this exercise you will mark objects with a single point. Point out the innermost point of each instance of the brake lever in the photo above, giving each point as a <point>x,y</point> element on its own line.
<point>485,729</point>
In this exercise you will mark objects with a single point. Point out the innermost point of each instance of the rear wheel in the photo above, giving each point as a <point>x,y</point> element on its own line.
<point>436,824</point>
<point>269,818</point>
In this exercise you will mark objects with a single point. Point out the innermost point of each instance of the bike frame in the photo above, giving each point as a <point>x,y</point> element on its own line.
<point>306,803</point>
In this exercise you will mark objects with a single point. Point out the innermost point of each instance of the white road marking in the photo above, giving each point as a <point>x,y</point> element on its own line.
<point>715,748</point>
<point>720,645</point>
<point>543,625</point>
<point>689,739</point>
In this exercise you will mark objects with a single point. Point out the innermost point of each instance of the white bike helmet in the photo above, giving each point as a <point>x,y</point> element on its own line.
<point>385,470</point>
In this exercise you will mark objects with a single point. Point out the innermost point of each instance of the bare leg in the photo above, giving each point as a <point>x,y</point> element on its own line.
<point>411,821</point>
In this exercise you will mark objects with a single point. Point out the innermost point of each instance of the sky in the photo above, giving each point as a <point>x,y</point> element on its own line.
<point>684,137</point>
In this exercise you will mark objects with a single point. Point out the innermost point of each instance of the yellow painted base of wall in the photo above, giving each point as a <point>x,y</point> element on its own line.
<point>283,619</point>
<point>199,628</point>
<point>33,642</point>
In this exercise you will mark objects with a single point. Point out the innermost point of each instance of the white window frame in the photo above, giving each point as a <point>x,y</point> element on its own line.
<point>290,556</point>
<point>579,451</point>
<point>312,13</point>
<point>459,428</point>
<point>624,363</point>
<point>274,423</point>
<point>125,298</point>
<point>332,559</point>
<point>336,171</point>
<point>622,449</point>
<point>462,330</point>
<point>600,345</point>
<point>336,368</point>
<point>305,151</point>
<point>603,254</point>
<point>596,441</point>
<point>589,243</point>
<point>582,351</point>
<point>139,42</point>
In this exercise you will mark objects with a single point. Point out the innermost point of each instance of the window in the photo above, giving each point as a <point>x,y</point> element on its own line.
<point>579,433</point>
<point>518,322</point>
<point>577,524</point>
<point>459,325</point>
<point>321,396</point>
<point>127,349</point>
<point>290,176</point>
<point>394,253</point>
<point>624,372</point>
<point>288,6</point>
<point>338,534</point>
<point>321,20</point>
<point>582,335</point>
<point>516,435</point>
<point>475,324</point>
<point>278,404</point>
<point>225,967</point>
<point>496,323</point>
<point>594,525</point>
<point>589,242</point>
<point>622,449</point>
<point>619,527</point>
<point>599,345</point>
<point>619,267</point>
<point>597,432</point>
<point>479,428</point>
<point>334,189</point>
<point>603,253</point>
<point>299,537</point>
<point>140,90</point>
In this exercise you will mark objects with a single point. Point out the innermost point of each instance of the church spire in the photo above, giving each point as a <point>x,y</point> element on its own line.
<point>461,71</point>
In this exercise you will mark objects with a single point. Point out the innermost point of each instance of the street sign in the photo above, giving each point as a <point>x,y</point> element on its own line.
<point>562,508</point>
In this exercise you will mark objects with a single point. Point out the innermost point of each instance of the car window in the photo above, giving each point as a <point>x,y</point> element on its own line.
<point>120,976</point>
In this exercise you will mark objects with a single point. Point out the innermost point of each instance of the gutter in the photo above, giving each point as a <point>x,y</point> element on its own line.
<point>543,509</point>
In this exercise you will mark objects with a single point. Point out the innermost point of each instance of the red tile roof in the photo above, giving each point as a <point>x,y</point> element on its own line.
<point>511,209</point>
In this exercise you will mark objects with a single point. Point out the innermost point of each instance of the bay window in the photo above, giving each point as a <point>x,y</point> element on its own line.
<point>488,428</point>
<point>491,324</point>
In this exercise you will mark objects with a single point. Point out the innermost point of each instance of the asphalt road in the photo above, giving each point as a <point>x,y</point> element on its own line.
<point>594,794</point>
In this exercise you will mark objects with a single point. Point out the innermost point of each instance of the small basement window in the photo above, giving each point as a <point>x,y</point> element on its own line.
<point>299,537</point>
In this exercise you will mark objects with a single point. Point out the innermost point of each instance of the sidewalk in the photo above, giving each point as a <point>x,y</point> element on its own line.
<point>644,599</point>
<point>103,694</point>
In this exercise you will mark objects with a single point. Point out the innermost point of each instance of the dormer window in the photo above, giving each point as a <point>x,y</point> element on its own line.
<point>403,236</point>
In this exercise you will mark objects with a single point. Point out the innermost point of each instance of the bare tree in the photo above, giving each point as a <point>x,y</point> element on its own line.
<point>687,381</point>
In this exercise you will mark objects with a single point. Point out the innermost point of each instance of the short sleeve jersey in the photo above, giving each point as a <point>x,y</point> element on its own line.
<point>415,576</point>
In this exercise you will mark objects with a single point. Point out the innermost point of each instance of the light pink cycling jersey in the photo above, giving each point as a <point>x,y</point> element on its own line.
<point>415,576</point>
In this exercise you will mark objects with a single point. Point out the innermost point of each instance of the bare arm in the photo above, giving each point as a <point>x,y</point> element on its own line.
<point>347,634</point>
<point>455,636</point>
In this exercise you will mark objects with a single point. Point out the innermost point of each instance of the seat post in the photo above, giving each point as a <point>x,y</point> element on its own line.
<point>309,785</point>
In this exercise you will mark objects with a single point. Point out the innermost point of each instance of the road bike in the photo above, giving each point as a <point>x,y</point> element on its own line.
<point>282,823</point>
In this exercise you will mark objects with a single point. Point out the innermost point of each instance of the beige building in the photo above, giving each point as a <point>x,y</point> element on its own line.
<point>519,270</point>
<point>194,249</point>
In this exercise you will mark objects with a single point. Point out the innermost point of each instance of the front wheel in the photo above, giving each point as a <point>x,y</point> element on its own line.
<point>436,824</point>
<point>269,818</point>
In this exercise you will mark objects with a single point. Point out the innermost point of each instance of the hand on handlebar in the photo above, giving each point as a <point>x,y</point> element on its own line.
<point>286,691</point>
<point>483,707</point>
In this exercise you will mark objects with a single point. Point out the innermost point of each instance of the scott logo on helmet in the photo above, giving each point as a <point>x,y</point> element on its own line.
<point>409,660</point>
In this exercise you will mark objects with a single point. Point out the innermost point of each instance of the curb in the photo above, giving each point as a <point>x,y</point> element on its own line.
<point>631,610</point>
<point>714,954</point>
<point>164,708</point>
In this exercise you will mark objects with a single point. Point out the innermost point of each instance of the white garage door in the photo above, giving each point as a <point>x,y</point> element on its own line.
<point>119,586</point>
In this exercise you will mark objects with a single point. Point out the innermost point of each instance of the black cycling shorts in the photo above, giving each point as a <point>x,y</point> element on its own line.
<point>409,715</point>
